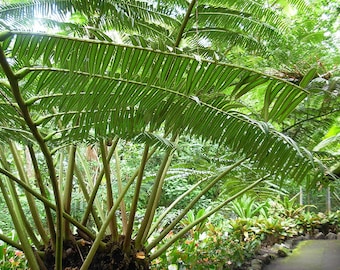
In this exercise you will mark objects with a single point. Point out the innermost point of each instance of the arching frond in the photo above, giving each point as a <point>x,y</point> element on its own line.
<point>134,17</point>
<point>79,88</point>
<point>224,24</point>
<point>22,15</point>
<point>182,74</point>
<point>236,21</point>
<point>222,38</point>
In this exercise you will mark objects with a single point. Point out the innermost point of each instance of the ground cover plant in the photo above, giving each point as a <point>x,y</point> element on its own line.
<point>230,243</point>
<point>75,101</point>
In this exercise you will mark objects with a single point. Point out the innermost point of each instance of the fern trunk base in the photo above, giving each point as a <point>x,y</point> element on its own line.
<point>111,257</point>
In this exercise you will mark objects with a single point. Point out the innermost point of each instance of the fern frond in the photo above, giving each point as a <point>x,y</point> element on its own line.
<point>187,75</point>
<point>100,89</point>
<point>22,15</point>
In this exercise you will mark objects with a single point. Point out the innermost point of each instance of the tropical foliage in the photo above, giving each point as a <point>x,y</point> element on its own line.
<point>224,243</point>
<point>106,74</point>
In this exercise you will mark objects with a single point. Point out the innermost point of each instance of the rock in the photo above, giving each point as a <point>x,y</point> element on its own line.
<point>256,264</point>
<point>319,236</point>
<point>266,258</point>
<point>282,252</point>
<point>289,243</point>
<point>298,239</point>
<point>338,236</point>
<point>262,251</point>
<point>276,246</point>
<point>331,236</point>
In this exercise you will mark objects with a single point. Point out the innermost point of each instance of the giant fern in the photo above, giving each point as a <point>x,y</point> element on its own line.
<point>97,88</point>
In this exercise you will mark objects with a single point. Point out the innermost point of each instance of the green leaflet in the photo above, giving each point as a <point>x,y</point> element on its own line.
<point>250,86</point>
<point>101,52</point>
<point>267,101</point>
<point>107,59</point>
<point>181,72</point>
<point>287,108</point>
<point>94,65</point>
<point>135,58</point>
<point>308,77</point>
<point>166,69</point>
<point>127,62</point>
<point>213,81</point>
<point>274,113</point>
<point>199,72</point>
<point>60,50</point>
<point>43,41</point>
<point>156,67</point>
<point>147,65</point>
<point>232,76</point>
<point>247,77</point>
<point>115,64</point>
<point>33,46</point>
<point>206,77</point>
<point>143,55</point>
<point>80,57</point>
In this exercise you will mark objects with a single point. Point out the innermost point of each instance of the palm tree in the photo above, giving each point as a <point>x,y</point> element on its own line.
<point>59,91</point>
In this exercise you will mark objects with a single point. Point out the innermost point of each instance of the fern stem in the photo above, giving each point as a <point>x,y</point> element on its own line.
<point>46,202</point>
<point>19,226</point>
<point>109,192</point>
<point>184,23</point>
<point>157,199</point>
<point>12,201</point>
<point>41,186</point>
<point>13,81</point>
<point>120,189</point>
<point>15,197</point>
<point>148,216</point>
<point>133,208</point>
<point>32,206</point>
<point>97,184</point>
<point>10,242</point>
<point>182,232</point>
<point>67,193</point>
<point>172,205</point>
<point>106,222</point>
<point>192,203</point>
<point>97,242</point>
<point>82,186</point>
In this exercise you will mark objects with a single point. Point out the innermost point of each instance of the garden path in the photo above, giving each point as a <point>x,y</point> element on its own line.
<point>310,255</point>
